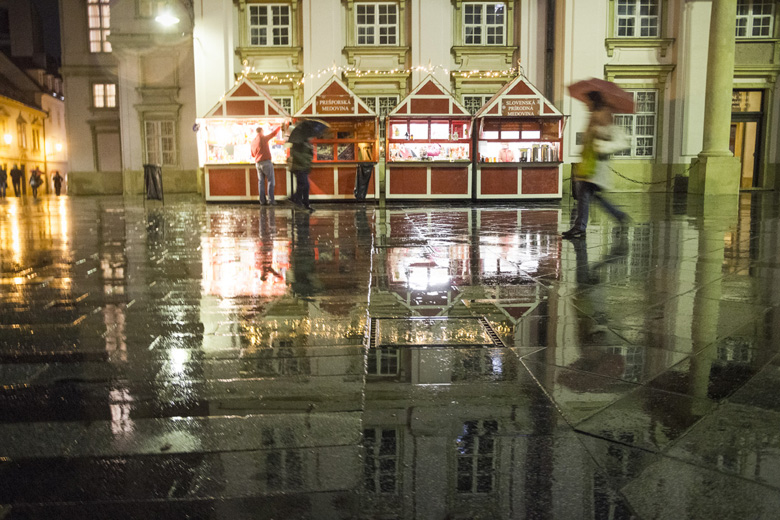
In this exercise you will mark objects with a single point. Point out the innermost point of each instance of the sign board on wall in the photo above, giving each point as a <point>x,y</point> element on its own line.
<point>335,104</point>
<point>520,107</point>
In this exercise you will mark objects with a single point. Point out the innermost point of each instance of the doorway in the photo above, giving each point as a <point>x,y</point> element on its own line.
<point>745,137</point>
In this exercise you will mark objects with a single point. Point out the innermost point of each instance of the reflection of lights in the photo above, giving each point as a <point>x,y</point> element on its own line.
<point>177,358</point>
<point>120,407</point>
<point>167,18</point>
<point>244,267</point>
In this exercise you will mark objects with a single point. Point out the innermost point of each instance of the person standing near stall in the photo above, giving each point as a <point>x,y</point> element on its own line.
<point>16,180</point>
<point>3,181</point>
<point>261,155</point>
<point>301,156</point>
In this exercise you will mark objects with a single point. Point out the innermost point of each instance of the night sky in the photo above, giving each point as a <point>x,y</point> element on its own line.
<point>50,18</point>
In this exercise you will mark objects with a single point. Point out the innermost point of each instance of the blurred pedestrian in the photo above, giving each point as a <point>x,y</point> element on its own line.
<point>3,181</point>
<point>35,181</point>
<point>16,180</point>
<point>301,156</point>
<point>601,139</point>
<point>261,155</point>
<point>57,180</point>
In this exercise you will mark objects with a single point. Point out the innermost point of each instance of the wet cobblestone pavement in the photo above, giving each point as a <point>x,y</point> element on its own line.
<point>442,362</point>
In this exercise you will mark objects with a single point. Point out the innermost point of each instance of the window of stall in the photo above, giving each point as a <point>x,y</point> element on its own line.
<point>429,130</point>
<point>347,141</point>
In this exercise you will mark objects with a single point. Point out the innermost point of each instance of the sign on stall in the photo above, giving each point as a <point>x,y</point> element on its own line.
<point>520,107</point>
<point>335,105</point>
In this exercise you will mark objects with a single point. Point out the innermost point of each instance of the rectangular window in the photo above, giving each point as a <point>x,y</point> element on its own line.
<point>269,25</point>
<point>160,142</point>
<point>755,18</point>
<point>476,454</point>
<point>99,22</point>
<point>638,18</point>
<point>380,460</point>
<point>640,125</point>
<point>474,102</point>
<point>377,24</point>
<point>483,23</point>
<point>104,95</point>
<point>21,133</point>
<point>36,140</point>
<point>286,103</point>
<point>382,105</point>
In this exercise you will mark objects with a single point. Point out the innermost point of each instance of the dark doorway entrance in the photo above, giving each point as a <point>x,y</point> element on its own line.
<point>745,140</point>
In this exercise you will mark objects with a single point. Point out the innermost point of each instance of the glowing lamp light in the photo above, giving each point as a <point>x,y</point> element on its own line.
<point>8,138</point>
<point>58,147</point>
<point>167,19</point>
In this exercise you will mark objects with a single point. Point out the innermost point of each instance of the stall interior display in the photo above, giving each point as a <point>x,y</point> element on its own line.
<point>526,140</point>
<point>347,140</point>
<point>228,141</point>
<point>429,140</point>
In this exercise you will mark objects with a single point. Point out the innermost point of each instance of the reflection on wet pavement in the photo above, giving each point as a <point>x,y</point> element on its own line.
<point>218,361</point>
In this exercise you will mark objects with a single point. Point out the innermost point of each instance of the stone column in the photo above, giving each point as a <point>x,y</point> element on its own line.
<point>717,171</point>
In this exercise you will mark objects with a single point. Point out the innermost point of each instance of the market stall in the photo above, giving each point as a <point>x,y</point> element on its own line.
<point>428,146</point>
<point>350,141</point>
<point>519,137</point>
<point>224,140</point>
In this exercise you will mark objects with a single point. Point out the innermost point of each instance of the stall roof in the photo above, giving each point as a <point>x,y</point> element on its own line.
<point>429,98</point>
<point>518,98</point>
<point>334,98</point>
<point>247,99</point>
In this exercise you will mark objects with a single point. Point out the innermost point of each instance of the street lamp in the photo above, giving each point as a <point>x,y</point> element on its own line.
<point>171,10</point>
<point>8,138</point>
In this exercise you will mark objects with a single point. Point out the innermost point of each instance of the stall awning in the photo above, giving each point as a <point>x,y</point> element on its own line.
<point>246,99</point>
<point>430,98</point>
<point>518,98</point>
<point>334,98</point>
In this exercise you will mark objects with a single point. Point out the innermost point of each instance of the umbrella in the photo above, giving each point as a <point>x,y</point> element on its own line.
<point>306,129</point>
<point>616,98</point>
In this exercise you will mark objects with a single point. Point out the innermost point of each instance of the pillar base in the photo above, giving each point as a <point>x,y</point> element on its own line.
<point>715,175</point>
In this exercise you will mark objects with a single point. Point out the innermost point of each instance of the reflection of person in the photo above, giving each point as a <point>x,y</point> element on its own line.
<point>301,155</point>
<point>3,181</point>
<point>57,180</point>
<point>35,181</point>
<point>261,154</point>
<point>16,179</point>
<point>592,176</point>
<point>302,258</point>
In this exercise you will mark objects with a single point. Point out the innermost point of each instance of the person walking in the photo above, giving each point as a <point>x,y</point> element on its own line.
<point>301,155</point>
<point>3,181</point>
<point>261,155</point>
<point>57,180</point>
<point>601,139</point>
<point>16,180</point>
<point>35,181</point>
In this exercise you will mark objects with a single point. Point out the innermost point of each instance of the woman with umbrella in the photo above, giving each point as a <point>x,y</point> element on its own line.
<point>602,138</point>
<point>301,156</point>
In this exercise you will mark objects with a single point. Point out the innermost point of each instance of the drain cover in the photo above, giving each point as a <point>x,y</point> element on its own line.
<point>424,332</point>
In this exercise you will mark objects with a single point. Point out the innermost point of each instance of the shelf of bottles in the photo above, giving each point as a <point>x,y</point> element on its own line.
<point>520,141</point>
<point>434,140</point>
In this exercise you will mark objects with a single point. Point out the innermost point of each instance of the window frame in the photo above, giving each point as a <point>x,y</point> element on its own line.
<point>282,100</point>
<point>158,122</point>
<point>269,26</point>
<point>103,28</point>
<point>637,18</point>
<point>751,17</point>
<point>633,135</point>
<point>104,96</point>
<point>374,102</point>
<point>485,98</point>
<point>377,26</point>
<point>483,24</point>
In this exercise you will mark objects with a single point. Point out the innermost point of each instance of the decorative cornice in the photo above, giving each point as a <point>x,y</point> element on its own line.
<point>656,72</point>
<point>399,52</point>
<point>661,44</point>
<point>505,51</point>
<point>294,53</point>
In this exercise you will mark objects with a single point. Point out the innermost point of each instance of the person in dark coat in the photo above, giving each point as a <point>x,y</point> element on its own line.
<point>3,181</point>
<point>57,180</point>
<point>301,156</point>
<point>35,181</point>
<point>16,179</point>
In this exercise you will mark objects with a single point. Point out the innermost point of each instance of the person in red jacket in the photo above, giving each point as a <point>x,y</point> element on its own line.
<point>261,155</point>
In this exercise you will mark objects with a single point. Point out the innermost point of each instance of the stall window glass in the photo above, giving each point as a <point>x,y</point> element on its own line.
<point>323,151</point>
<point>638,18</point>
<point>474,102</point>
<point>269,25</point>
<point>99,22</point>
<point>104,95</point>
<point>640,125</point>
<point>755,18</point>
<point>377,24</point>
<point>160,142</point>
<point>483,23</point>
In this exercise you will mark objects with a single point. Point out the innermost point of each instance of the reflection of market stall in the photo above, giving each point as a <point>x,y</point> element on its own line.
<point>224,143</point>
<point>350,141</point>
<point>428,146</point>
<point>519,144</point>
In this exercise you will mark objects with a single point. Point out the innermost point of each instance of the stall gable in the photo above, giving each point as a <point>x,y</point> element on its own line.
<point>247,99</point>
<point>430,98</point>
<point>334,99</point>
<point>518,98</point>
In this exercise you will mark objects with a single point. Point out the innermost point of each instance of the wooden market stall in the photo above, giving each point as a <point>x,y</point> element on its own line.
<point>225,136</point>
<point>519,142</point>
<point>428,146</point>
<point>350,141</point>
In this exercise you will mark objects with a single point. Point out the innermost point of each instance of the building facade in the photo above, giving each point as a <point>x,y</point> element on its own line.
<point>155,81</point>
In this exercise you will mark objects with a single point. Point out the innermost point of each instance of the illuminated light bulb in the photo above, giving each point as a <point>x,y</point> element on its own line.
<point>167,19</point>
<point>7,138</point>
